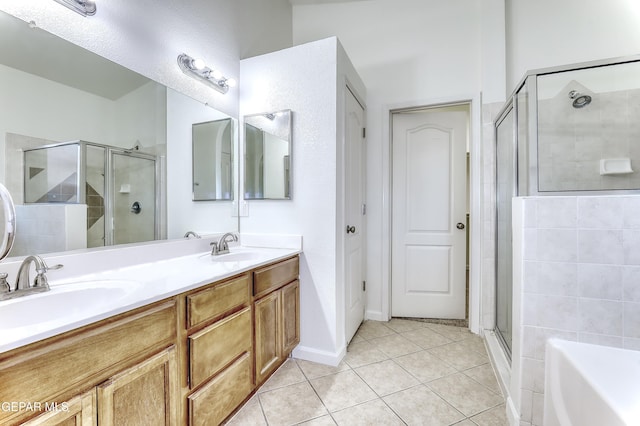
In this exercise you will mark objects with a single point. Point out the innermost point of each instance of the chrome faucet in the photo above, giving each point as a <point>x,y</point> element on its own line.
<point>23,286</point>
<point>222,246</point>
<point>191,234</point>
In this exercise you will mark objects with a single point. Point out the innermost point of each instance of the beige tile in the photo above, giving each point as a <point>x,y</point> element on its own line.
<point>424,366</point>
<point>357,338</point>
<point>314,370</point>
<point>342,390</point>
<point>465,422</point>
<point>374,412</point>
<point>372,329</point>
<point>426,338</point>
<point>484,375</point>
<point>458,355</point>
<point>420,406</point>
<point>363,353</point>
<point>465,394</point>
<point>249,414</point>
<point>386,377</point>
<point>291,404</point>
<point>395,345</point>
<point>320,421</point>
<point>496,416</point>
<point>286,375</point>
<point>402,325</point>
<point>450,332</point>
<point>474,343</point>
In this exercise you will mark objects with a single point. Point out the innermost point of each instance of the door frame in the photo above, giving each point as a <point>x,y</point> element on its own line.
<point>475,203</point>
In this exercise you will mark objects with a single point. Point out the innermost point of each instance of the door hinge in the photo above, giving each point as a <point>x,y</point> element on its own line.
<point>364,286</point>
<point>364,209</point>
<point>364,132</point>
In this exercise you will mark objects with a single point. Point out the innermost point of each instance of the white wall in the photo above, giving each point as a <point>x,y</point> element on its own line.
<point>148,35</point>
<point>184,214</point>
<point>302,79</point>
<point>547,33</point>
<point>408,52</point>
<point>308,79</point>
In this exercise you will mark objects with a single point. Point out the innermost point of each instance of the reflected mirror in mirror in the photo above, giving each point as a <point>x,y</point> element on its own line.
<point>588,136</point>
<point>213,160</point>
<point>267,156</point>
<point>53,92</point>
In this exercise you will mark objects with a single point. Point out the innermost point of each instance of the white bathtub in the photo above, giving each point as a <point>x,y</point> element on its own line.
<point>591,385</point>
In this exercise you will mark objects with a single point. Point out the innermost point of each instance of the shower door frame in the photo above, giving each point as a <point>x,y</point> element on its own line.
<point>109,182</point>
<point>110,189</point>
<point>511,106</point>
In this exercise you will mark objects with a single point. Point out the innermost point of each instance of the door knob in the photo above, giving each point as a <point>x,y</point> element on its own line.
<point>351,229</point>
<point>460,225</point>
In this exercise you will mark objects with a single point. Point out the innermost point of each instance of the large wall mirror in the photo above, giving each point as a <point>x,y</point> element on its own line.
<point>212,149</point>
<point>53,92</point>
<point>267,156</point>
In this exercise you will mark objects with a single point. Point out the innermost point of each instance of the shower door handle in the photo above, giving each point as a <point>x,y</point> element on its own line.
<point>460,225</point>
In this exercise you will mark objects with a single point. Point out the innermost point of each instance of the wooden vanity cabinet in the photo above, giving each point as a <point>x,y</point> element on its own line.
<point>78,411</point>
<point>220,349</point>
<point>191,359</point>
<point>68,371</point>
<point>145,394</point>
<point>276,315</point>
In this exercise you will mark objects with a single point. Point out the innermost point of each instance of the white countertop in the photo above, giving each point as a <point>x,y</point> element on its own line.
<point>31,318</point>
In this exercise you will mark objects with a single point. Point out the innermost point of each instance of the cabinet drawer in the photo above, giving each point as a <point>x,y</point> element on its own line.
<point>214,347</point>
<point>218,398</point>
<point>217,300</point>
<point>274,276</point>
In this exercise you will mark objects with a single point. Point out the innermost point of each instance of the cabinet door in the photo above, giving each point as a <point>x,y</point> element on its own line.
<point>268,347</point>
<point>142,395</point>
<point>78,411</point>
<point>290,317</point>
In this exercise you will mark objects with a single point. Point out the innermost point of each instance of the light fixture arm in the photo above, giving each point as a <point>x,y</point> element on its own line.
<point>201,72</point>
<point>83,7</point>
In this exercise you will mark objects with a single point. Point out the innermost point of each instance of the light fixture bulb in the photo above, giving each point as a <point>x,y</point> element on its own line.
<point>231,82</point>
<point>197,64</point>
<point>216,75</point>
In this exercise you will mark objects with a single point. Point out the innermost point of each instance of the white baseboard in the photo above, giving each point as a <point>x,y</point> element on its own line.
<point>513,417</point>
<point>322,357</point>
<point>374,316</point>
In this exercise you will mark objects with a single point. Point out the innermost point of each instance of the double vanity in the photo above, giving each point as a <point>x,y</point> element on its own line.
<point>182,340</point>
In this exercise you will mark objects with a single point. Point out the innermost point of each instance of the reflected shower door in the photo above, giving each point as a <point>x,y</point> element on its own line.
<point>134,198</point>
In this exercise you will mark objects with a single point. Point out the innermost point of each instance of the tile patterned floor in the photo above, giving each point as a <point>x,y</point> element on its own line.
<point>399,372</point>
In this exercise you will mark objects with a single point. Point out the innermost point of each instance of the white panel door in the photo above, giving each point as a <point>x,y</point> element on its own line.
<point>354,215</point>
<point>428,252</point>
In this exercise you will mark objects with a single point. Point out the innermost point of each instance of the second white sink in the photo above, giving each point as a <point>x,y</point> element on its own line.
<point>65,301</point>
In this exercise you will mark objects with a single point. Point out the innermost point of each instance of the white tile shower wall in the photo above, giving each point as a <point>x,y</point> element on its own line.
<point>581,281</point>
<point>48,228</point>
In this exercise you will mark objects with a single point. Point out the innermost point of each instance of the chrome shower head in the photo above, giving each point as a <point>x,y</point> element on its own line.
<point>579,100</point>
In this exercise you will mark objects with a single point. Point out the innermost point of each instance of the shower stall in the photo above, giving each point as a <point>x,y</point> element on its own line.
<point>118,186</point>
<point>571,130</point>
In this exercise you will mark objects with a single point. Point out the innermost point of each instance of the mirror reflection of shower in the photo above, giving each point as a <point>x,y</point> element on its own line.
<point>84,192</point>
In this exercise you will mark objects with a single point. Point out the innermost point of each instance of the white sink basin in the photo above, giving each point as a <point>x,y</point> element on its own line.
<point>64,302</point>
<point>235,256</point>
<point>591,385</point>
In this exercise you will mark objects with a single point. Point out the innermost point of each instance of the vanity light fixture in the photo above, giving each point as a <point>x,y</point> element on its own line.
<point>197,69</point>
<point>83,7</point>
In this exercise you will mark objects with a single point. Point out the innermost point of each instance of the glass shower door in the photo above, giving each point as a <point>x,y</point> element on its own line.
<point>133,207</point>
<point>505,191</point>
